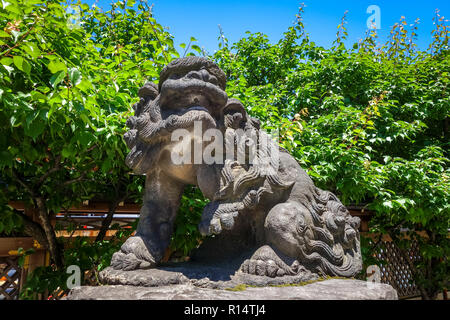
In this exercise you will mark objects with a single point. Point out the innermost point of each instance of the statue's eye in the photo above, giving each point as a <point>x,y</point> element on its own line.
<point>194,75</point>
<point>213,80</point>
<point>230,110</point>
<point>174,76</point>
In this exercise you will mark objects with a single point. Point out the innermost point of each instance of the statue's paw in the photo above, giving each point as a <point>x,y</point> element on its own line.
<point>127,262</point>
<point>219,222</point>
<point>270,268</point>
<point>261,268</point>
<point>207,228</point>
<point>265,262</point>
<point>133,255</point>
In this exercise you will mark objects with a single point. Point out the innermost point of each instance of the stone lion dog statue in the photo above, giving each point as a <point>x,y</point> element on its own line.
<point>266,213</point>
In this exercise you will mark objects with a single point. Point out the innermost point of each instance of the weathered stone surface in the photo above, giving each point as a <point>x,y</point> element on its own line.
<point>144,278</point>
<point>204,276</point>
<point>333,289</point>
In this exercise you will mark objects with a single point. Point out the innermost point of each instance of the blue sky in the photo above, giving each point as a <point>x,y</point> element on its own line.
<point>200,18</point>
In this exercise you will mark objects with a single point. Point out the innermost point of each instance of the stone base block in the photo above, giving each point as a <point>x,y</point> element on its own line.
<point>332,289</point>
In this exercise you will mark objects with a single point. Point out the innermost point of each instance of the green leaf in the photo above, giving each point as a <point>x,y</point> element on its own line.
<point>35,128</point>
<point>57,78</point>
<point>388,204</point>
<point>6,158</point>
<point>22,64</point>
<point>5,4</point>
<point>12,8</point>
<point>196,48</point>
<point>55,66</point>
<point>84,85</point>
<point>32,50</point>
<point>75,76</point>
<point>6,61</point>
<point>85,138</point>
<point>66,152</point>
<point>38,96</point>
<point>4,34</point>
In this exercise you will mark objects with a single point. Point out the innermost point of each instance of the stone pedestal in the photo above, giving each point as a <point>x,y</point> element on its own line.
<point>193,282</point>
<point>333,289</point>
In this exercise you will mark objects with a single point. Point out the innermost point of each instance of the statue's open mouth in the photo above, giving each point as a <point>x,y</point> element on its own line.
<point>195,111</point>
<point>199,108</point>
<point>152,133</point>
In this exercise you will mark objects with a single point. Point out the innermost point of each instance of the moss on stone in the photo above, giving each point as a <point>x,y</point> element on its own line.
<point>243,287</point>
<point>239,287</point>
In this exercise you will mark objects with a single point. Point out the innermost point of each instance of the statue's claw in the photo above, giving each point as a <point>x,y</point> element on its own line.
<point>214,222</point>
<point>127,262</point>
<point>265,262</point>
<point>208,228</point>
<point>267,268</point>
<point>133,255</point>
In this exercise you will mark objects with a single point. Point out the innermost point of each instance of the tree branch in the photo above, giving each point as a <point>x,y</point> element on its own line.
<point>23,184</point>
<point>149,9</point>
<point>5,53</point>
<point>69,182</point>
<point>57,167</point>
<point>106,223</point>
<point>92,148</point>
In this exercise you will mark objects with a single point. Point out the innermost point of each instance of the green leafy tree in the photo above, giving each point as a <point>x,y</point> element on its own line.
<point>69,75</point>
<point>369,123</point>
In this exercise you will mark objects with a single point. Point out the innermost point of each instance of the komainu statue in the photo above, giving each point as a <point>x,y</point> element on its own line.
<point>264,210</point>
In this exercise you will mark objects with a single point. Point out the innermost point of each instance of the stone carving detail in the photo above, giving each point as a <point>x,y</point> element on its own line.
<point>266,214</point>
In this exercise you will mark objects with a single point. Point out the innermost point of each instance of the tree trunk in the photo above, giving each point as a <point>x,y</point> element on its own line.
<point>53,246</point>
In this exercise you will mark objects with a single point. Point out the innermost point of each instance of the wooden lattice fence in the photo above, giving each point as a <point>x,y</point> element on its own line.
<point>10,278</point>
<point>395,269</point>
